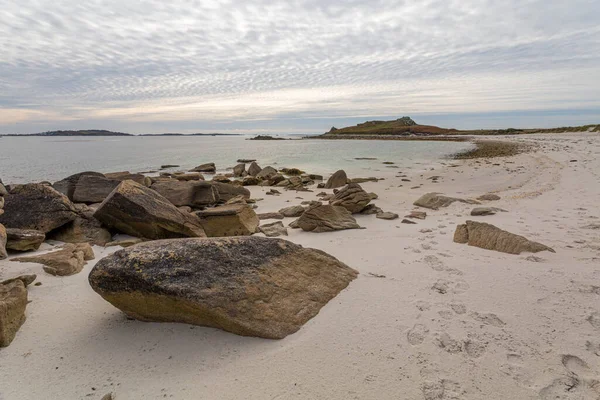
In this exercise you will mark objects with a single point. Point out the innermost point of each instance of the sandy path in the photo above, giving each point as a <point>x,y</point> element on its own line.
<point>447,321</point>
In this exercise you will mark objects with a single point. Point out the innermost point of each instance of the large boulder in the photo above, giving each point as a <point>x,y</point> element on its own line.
<point>91,189</point>
<point>249,286</point>
<point>239,170</point>
<point>489,237</point>
<point>338,179</point>
<point>267,173</point>
<point>192,193</point>
<point>13,301</point>
<point>3,239</point>
<point>24,239</point>
<point>208,167</point>
<point>254,169</point>
<point>141,212</point>
<point>128,176</point>
<point>436,201</point>
<point>36,206</point>
<point>228,191</point>
<point>67,261</point>
<point>83,229</point>
<point>67,185</point>
<point>228,220</point>
<point>352,197</point>
<point>326,218</point>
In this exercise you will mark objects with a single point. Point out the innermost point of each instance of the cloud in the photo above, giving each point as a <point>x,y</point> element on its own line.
<point>203,62</point>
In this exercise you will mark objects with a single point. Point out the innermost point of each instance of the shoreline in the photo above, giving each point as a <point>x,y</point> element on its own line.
<point>505,326</point>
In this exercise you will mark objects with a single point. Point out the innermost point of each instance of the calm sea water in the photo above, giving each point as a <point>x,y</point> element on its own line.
<point>34,159</point>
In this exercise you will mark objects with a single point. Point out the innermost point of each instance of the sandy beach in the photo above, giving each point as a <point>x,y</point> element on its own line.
<point>504,327</point>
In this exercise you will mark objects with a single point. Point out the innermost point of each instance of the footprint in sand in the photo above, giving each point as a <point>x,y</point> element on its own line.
<point>515,370</point>
<point>443,389</point>
<point>458,308</point>
<point>443,286</point>
<point>417,334</point>
<point>594,320</point>
<point>488,319</point>
<point>580,384</point>
<point>422,305</point>
<point>593,347</point>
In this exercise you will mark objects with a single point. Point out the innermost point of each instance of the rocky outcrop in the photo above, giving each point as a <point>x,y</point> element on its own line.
<point>486,236</point>
<point>249,286</point>
<point>436,201</point>
<point>266,173</point>
<point>352,197</point>
<point>228,220</point>
<point>67,261</point>
<point>273,229</point>
<point>326,218</point>
<point>24,239</point>
<point>228,191</point>
<point>13,301</point>
<point>36,206</point>
<point>338,179</point>
<point>141,212</point>
<point>254,169</point>
<point>93,189</point>
<point>67,185</point>
<point>184,193</point>
<point>208,167</point>
<point>293,211</point>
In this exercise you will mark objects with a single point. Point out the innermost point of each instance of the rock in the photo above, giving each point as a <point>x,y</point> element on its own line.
<point>124,242</point>
<point>3,191</point>
<point>254,169</point>
<point>228,191</point>
<point>387,215</point>
<point>315,177</point>
<point>84,229</point>
<point>126,175</point>
<point>239,170</point>
<point>276,179</point>
<point>363,180</point>
<point>482,211</point>
<point>229,220</point>
<point>3,239</point>
<point>266,173</point>
<point>245,160</point>
<point>489,197</point>
<point>67,261</point>
<point>417,214</point>
<point>273,192</point>
<point>271,215</point>
<point>371,209</point>
<point>435,201</point>
<point>26,279</point>
<point>249,286</point>
<point>237,200</point>
<point>67,185</point>
<point>188,193</point>
<point>338,179</point>
<point>326,218</point>
<point>408,221</point>
<point>36,206</point>
<point>292,171</point>
<point>209,167</point>
<point>24,239</point>
<point>489,237</point>
<point>166,166</point>
<point>273,229</point>
<point>250,181</point>
<point>93,189</point>
<point>293,211</point>
<point>141,212</point>
<point>185,209</point>
<point>13,301</point>
<point>192,176</point>
<point>352,197</point>
<point>221,178</point>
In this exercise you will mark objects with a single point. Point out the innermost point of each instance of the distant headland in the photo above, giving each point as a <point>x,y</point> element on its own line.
<point>101,132</point>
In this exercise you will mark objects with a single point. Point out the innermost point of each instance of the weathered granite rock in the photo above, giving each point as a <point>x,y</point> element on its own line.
<point>489,237</point>
<point>266,173</point>
<point>239,170</point>
<point>338,179</point>
<point>93,189</point>
<point>3,239</point>
<point>273,229</point>
<point>36,206</point>
<point>326,218</point>
<point>249,286</point>
<point>67,261</point>
<point>435,201</point>
<point>124,242</point>
<point>13,301</point>
<point>254,169</point>
<point>489,197</point>
<point>24,239</point>
<point>271,215</point>
<point>387,215</point>
<point>292,211</point>
<point>237,200</point>
<point>84,229</point>
<point>67,186</point>
<point>371,209</point>
<point>227,191</point>
<point>187,193</point>
<point>352,197</point>
<point>141,212</point>
<point>228,220</point>
<point>208,167</point>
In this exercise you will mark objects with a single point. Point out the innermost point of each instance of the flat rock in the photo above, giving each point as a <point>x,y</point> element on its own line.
<point>435,201</point>
<point>487,236</point>
<point>67,186</point>
<point>416,215</point>
<point>326,218</point>
<point>338,179</point>
<point>13,301</point>
<point>407,221</point>
<point>293,211</point>
<point>24,239</point>
<point>482,211</point>
<point>352,197</point>
<point>192,176</point>
<point>208,167</point>
<point>228,220</point>
<point>489,197</point>
<point>270,215</point>
<point>387,215</point>
<point>36,206</point>
<point>141,212</point>
<point>93,189</point>
<point>249,286</point>
<point>67,261</point>
<point>273,229</point>
<point>227,191</point>
<point>187,193</point>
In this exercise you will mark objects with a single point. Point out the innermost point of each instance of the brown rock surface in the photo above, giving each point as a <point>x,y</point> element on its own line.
<point>338,179</point>
<point>326,218</point>
<point>229,220</point>
<point>352,197</point>
<point>24,239</point>
<point>187,193</point>
<point>435,201</point>
<point>13,301</point>
<point>67,261</point>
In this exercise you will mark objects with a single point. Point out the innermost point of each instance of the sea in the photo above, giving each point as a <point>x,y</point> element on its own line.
<point>36,159</point>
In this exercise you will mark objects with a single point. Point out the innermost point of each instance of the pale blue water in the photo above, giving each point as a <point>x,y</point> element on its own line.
<point>34,159</point>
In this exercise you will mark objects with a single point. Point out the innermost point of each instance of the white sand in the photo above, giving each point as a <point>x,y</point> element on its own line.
<point>508,328</point>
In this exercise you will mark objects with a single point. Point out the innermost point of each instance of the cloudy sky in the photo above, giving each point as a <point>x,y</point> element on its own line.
<point>296,65</point>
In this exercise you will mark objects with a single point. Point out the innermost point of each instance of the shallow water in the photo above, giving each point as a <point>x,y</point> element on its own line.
<point>33,159</point>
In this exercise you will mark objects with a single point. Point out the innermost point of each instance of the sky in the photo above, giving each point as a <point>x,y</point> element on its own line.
<point>296,66</point>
